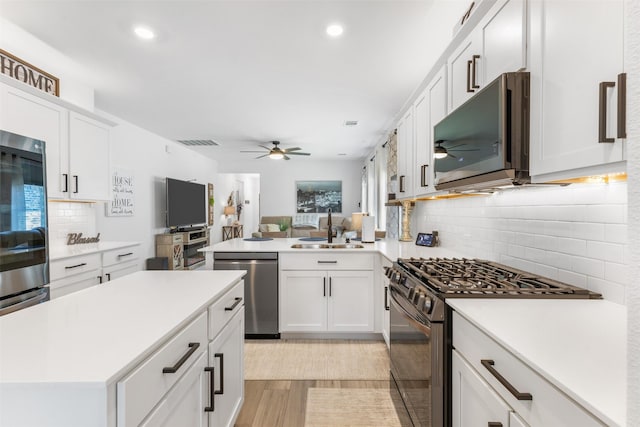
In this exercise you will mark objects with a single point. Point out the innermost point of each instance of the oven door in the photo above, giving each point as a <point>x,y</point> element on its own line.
<point>416,353</point>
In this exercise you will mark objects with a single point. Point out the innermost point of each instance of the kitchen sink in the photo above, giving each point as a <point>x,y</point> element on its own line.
<point>327,246</point>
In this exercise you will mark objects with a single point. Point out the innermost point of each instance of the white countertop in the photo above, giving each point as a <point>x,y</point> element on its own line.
<point>390,248</point>
<point>67,251</point>
<point>577,345</point>
<point>97,334</point>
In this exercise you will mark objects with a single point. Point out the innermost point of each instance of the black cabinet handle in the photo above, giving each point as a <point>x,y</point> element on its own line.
<point>602,112</point>
<point>329,286</point>
<point>75,266</point>
<point>622,105</point>
<point>100,279</point>
<point>324,286</point>
<point>402,189</point>
<point>386,298</point>
<point>66,183</point>
<point>221,357</point>
<point>108,276</point>
<point>193,346</point>
<point>124,255</point>
<point>474,58</point>
<point>75,177</point>
<point>494,424</point>
<point>212,390</point>
<point>238,300</point>
<point>488,364</point>
<point>327,262</point>
<point>423,175</point>
<point>469,90</point>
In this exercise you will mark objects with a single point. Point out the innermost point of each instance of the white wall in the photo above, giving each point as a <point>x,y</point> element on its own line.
<point>278,183</point>
<point>632,65</point>
<point>575,234</point>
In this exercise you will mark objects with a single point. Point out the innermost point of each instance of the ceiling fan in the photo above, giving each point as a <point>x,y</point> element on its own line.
<point>440,152</point>
<point>277,153</point>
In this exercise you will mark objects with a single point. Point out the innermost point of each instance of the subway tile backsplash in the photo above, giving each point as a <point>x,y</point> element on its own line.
<point>71,217</point>
<point>576,234</point>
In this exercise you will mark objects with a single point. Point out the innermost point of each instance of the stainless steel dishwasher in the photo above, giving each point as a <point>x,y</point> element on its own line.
<point>260,289</point>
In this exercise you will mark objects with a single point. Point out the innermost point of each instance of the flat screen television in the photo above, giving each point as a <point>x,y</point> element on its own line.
<point>186,204</point>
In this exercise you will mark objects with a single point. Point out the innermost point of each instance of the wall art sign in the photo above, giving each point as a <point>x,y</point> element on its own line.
<point>21,70</point>
<point>77,239</point>
<point>122,193</point>
<point>318,196</point>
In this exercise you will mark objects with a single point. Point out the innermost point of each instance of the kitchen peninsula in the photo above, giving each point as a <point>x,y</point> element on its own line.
<point>131,351</point>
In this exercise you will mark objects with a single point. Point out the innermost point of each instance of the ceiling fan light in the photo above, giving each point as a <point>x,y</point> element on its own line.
<point>276,156</point>
<point>439,152</point>
<point>439,155</point>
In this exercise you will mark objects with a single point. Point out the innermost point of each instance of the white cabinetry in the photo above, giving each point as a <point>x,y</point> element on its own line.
<point>386,318</point>
<point>429,109</point>
<point>574,107</point>
<point>119,262</point>
<point>495,46</point>
<point>314,298</point>
<point>77,145</point>
<point>489,366</point>
<point>405,155</point>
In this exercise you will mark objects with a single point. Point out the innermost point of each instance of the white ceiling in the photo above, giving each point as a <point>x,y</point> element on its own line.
<point>247,72</point>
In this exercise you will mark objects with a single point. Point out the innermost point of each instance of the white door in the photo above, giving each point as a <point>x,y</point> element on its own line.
<point>88,158</point>
<point>184,404</point>
<point>303,301</point>
<point>226,356</point>
<point>474,402</point>
<point>462,77</point>
<point>568,65</point>
<point>350,301</point>
<point>31,116</point>
<point>405,155</point>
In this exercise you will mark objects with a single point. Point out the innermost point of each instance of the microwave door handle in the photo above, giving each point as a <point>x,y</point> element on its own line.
<point>622,105</point>
<point>602,112</point>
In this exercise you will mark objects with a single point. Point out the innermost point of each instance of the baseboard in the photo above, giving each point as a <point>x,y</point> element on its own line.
<point>374,336</point>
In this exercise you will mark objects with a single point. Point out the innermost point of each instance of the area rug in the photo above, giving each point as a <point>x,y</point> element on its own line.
<point>350,407</point>
<point>316,360</point>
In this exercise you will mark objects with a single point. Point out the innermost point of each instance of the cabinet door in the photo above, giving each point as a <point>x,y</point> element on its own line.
<point>226,356</point>
<point>31,116</point>
<point>503,38</point>
<point>62,287</point>
<point>430,108</point>
<point>460,67</point>
<point>184,404</point>
<point>88,158</point>
<point>405,155</point>
<point>350,301</point>
<point>114,271</point>
<point>516,421</point>
<point>474,402</point>
<point>303,301</point>
<point>565,98</point>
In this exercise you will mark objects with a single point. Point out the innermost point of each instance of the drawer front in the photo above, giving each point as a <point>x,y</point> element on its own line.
<point>333,259</point>
<point>146,385</point>
<point>59,269</point>
<point>117,256</point>
<point>77,282</point>
<point>221,311</point>
<point>548,406</point>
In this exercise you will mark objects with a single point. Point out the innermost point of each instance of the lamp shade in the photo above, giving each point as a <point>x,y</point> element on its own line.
<point>229,210</point>
<point>356,220</point>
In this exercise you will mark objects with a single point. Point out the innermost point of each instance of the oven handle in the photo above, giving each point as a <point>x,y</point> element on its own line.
<point>425,329</point>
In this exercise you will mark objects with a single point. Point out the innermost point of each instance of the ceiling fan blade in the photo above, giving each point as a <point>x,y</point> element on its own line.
<point>451,155</point>
<point>291,149</point>
<point>459,145</point>
<point>286,157</point>
<point>264,155</point>
<point>451,149</point>
<point>266,148</point>
<point>251,151</point>
<point>299,154</point>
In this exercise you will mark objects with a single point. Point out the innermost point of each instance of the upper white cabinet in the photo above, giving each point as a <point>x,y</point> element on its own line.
<point>88,158</point>
<point>405,155</point>
<point>429,109</point>
<point>498,44</point>
<point>577,56</point>
<point>77,146</point>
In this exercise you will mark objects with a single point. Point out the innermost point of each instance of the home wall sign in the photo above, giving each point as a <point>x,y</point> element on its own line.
<point>21,70</point>
<point>122,193</point>
<point>77,239</point>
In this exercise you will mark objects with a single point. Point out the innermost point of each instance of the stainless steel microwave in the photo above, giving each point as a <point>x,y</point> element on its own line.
<point>484,143</point>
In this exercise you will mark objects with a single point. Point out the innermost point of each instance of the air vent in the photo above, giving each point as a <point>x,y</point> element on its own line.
<point>351,123</point>
<point>201,142</point>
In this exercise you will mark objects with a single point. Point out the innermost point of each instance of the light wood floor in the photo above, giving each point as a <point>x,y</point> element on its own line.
<point>283,403</point>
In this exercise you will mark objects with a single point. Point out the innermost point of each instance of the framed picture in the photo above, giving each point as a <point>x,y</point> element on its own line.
<point>318,196</point>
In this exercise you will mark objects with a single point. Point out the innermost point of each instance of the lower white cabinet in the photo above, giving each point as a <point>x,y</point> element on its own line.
<point>475,403</point>
<point>489,381</point>
<point>119,262</point>
<point>386,318</point>
<point>332,300</point>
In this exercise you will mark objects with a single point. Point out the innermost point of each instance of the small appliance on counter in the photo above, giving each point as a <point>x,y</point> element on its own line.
<point>368,229</point>
<point>24,254</point>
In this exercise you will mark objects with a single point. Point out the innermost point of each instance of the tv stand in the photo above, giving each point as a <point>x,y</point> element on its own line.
<point>181,247</point>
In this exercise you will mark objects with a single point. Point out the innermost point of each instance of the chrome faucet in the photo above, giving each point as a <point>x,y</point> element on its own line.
<point>329,228</point>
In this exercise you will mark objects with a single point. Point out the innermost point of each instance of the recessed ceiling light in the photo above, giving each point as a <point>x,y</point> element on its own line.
<point>144,33</point>
<point>335,30</point>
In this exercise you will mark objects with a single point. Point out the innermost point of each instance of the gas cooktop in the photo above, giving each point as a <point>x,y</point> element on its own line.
<point>464,278</point>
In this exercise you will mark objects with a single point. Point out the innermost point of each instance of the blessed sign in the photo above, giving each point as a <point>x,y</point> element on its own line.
<point>18,69</point>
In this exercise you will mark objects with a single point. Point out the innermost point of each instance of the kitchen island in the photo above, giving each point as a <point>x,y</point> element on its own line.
<point>96,357</point>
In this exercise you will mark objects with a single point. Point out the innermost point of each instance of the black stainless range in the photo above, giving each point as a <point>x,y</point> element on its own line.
<point>420,333</point>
